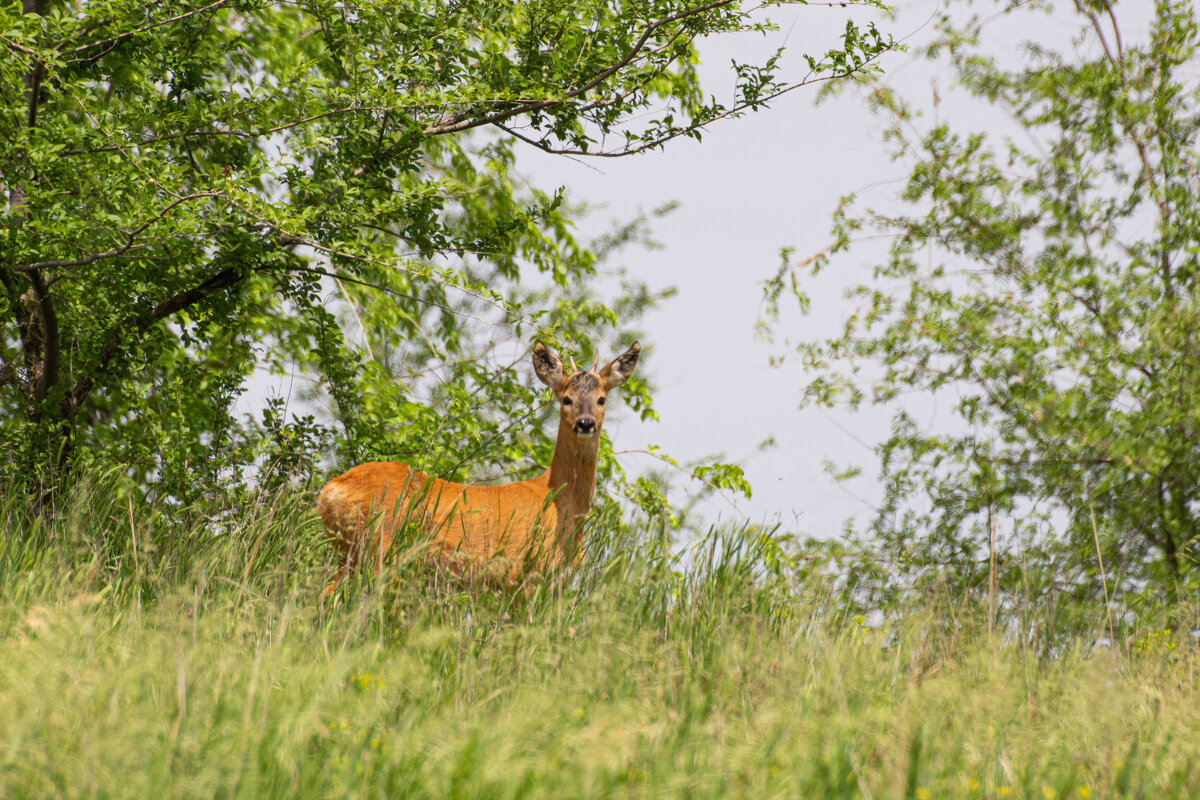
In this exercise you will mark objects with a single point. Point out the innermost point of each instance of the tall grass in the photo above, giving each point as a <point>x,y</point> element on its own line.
<point>145,656</point>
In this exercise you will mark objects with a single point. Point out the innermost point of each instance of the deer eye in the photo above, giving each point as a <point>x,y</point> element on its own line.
<point>600,401</point>
<point>566,401</point>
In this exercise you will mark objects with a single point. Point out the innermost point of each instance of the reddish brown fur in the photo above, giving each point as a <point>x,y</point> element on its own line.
<point>512,529</point>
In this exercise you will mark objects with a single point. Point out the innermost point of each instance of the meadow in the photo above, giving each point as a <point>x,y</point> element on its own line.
<point>148,655</point>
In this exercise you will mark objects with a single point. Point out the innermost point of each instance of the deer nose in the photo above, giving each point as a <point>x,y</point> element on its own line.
<point>585,425</point>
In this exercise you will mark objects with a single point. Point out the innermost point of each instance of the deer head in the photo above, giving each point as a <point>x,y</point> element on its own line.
<point>582,394</point>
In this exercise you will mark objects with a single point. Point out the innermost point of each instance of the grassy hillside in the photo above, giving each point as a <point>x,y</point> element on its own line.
<point>150,658</point>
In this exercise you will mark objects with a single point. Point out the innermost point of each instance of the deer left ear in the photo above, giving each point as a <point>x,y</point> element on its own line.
<point>616,373</point>
<point>548,368</point>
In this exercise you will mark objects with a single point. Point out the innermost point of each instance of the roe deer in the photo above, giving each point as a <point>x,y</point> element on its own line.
<point>523,527</point>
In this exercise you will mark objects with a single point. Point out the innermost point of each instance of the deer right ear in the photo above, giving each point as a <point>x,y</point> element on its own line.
<point>616,373</point>
<point>548,368</point>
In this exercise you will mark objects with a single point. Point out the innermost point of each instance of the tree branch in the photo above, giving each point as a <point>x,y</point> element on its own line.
<point>47,374</point>
<point>130,239</point>
<point>38,70</point>
<point>140,322</point>
<point>465,121</point>
<point>37,320</point>
<point>648,145</point>
<point>114,40</point>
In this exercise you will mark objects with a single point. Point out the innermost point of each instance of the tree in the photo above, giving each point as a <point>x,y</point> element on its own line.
<point>188,181</point>
<point>1043,282</point>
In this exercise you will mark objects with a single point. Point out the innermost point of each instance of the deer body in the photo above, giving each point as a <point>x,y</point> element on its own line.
<point>510,529</point>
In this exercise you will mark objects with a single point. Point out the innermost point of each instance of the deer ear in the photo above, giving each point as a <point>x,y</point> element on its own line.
<point>548,368</point>
<point>616,373</point>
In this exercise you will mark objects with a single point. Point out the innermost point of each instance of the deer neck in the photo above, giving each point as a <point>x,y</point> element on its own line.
<point>572,474</point>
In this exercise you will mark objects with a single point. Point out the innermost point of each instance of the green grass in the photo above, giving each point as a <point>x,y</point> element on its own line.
<point>199,664</point>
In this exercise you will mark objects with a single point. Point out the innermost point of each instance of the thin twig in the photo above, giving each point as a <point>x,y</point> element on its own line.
<point>1103,577</point>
